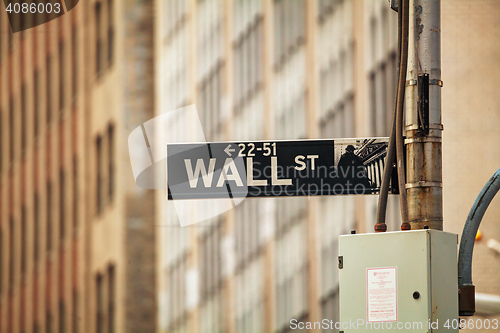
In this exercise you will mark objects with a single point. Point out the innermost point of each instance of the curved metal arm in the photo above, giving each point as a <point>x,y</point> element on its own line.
<point>470,229</point>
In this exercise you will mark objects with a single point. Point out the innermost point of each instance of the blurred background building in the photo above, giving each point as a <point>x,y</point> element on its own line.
<point>62,263</point>
<point>293,69</point>
<point>83,249</point>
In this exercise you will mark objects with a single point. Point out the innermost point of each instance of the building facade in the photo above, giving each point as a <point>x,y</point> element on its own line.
<point>276,69</point>
<point>261,70</point>
<point>61,206</point>
<point>470,113</point>
<point>138,107</point>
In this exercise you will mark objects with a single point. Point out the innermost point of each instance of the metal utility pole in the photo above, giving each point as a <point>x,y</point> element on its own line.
<point>423,116</point>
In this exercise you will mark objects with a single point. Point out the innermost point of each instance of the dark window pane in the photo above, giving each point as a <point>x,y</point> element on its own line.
<point>36,228</point>
<point>111,159</point>
<point>49,217</point>
<point>75,312</point>
<point>24,118</point>
<point>48,322</point>
<point>98,186</point>
<point>11,254</point>
<point>74,63</point>
<point>36,100</point>
<point>100,305</point>
<point>75,194</point>
<point>62,315</point>
<point>24,240</point>
<point>1,143</point>
<point>98,46</point>
<point>49,88</point>
<point>2,254</point>
<point>62,210</point>
<point>111,32</point>
<point>12,128</point>
<point>62,85</point>
<point>111,299</point>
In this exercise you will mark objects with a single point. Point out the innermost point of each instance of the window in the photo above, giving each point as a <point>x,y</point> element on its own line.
<point>330,306</point>
<point>98,45</point>
<point>75,194</point>
<point>175,12</point>
<point>325,7</point>
<point>36,99</point>
<point>291,283</point>
<point>111,161</point>
<point>62,208</point>
<point>177,287</point>
<point>12,129</point>
<point>24,118</point>
<point>111,33</point>
<point>378,100</point>
<point>382,73</point>
<point>100,304</point>
<point>2,254</point>
<point>62,85</point>
<point>74,60</point>
<point>36,222</point>
<point>111,299</point>
<point>99,178</point>
<point>12,242</point>
<point>49,216</point>
<point>1,143</point>
<point>10,37</point>
<point>210,263</point>
<point>1,42</point>
<point>373,108</point>
<point>48,87</point>
<point>24,240</point>
<point>338,122</point>
<point>62,316</point>
<point>248,61</point>
<point>48,322</point>
<point>74,318</point>
<point>210,93</point>
<point>246,233</point>
<point>336,72</point>
<point>289,27</point>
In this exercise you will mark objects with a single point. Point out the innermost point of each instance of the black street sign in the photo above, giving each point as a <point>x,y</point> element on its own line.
<point>275,168</point>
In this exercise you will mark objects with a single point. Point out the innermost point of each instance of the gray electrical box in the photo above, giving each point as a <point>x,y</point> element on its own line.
<point>403,280</point>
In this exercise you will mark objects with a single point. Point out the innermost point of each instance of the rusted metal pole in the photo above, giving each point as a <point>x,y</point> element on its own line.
<point>423,116</point>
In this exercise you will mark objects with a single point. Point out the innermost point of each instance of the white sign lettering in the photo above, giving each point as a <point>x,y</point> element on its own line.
<point>200,168</point>
<point>225,175</point>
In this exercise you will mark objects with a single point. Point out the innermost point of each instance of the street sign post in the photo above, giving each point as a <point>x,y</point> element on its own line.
<point>275,168</point>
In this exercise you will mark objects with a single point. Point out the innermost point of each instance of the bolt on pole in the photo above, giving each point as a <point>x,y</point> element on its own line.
<point>423,125</point>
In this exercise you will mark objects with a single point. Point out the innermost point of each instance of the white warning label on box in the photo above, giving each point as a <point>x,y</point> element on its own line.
<point>381,294</point>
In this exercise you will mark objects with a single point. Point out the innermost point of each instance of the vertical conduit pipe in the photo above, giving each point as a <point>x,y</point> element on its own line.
<point>483,200</point>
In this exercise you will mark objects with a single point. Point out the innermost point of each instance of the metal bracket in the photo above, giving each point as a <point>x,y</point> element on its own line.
<point>423,102</point>
<point>432,82</point>
<point>436,82</point>
<point>341,262</point>
<point>424,184</point>
<point>438,127</point>
<point>466,300</point>
<point>395,5</point>
<point>423,139</point>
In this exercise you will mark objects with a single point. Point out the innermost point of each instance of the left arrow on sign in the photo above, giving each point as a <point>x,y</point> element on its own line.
<point>228,150</point>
